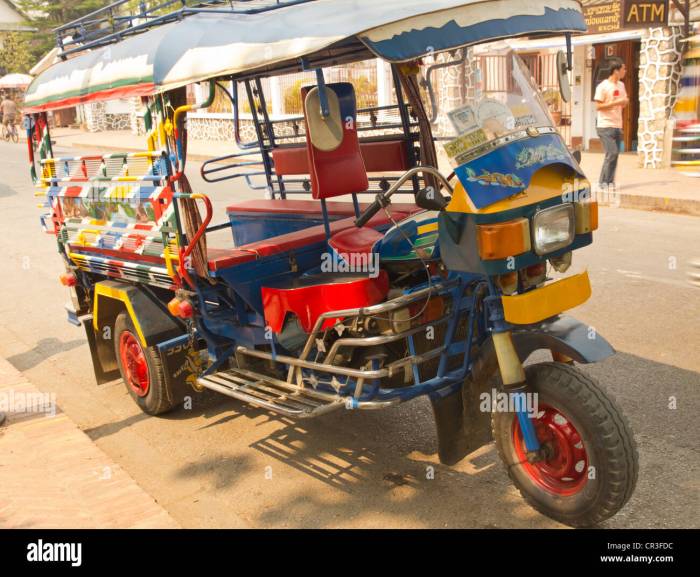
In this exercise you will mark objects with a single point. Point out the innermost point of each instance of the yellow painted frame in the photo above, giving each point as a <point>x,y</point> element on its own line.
<point>121,295</point>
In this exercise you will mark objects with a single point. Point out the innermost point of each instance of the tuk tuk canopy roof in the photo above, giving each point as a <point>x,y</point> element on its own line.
<point>209,45</point>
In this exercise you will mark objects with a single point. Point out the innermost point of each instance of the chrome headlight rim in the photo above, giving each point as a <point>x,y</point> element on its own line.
<point>567,207</point>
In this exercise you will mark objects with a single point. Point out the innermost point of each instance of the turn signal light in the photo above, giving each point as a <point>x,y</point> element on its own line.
<point>173,307</point>
<point>185,310</point>
<point>534,275</point>
<point>503,239</point>
<point>68,279</point>
<point>180,308</point>
<point>586,216</point>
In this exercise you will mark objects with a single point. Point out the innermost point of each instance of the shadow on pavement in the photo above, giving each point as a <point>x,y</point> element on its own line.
<point>43,349</point>
<point>385,460</point>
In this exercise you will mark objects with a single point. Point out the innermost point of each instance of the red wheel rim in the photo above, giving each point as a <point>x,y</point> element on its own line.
<point>134,364</point>
<point>564,470</point>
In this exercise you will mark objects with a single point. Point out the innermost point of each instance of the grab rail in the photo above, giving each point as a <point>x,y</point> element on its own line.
<point>187,251</point>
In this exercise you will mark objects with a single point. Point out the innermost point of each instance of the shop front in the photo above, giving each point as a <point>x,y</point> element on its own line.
<point>647,36</point>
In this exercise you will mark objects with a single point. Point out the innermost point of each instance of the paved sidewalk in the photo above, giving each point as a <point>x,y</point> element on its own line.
<point>647,188</point>
<point>53,476</point>
<point>641,188</point>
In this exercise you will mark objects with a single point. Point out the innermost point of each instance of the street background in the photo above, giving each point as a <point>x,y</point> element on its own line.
<point>225,464</point>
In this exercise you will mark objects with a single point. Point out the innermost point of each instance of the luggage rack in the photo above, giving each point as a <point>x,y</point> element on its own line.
<point>120,19</point>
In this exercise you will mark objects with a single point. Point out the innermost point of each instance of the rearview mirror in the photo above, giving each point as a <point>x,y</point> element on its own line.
<point>563,76</point>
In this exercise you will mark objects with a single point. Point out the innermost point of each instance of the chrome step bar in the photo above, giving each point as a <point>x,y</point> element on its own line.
<point>272,394</point>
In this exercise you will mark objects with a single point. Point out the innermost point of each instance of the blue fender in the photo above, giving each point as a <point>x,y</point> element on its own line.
<point>562,334</point>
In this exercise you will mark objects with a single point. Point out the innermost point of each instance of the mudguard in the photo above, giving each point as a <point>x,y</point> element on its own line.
<point>461,426</point>
<point>151,319</point>
<point>565,335</point>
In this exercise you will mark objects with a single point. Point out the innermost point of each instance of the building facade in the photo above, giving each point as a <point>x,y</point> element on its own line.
<point>648,36</point>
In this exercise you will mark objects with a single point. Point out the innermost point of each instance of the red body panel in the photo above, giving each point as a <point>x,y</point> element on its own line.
<point>309,302</point>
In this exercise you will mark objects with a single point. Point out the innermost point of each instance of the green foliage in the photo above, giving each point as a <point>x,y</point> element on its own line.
<point>49,14</point>
<point>15,55</point>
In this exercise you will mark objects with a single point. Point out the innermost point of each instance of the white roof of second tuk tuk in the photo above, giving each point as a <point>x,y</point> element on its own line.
<point>207,45</point>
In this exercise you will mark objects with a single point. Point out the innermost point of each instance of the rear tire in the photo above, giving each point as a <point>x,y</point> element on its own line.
<point>591,466</point>
<point>141,369</point>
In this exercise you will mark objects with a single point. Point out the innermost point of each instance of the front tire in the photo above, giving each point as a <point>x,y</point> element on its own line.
<point>141,369</point>
<point>590,466</point>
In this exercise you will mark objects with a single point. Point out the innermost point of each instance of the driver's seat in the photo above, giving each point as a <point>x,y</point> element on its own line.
<point>358,241</point>
<point>335,159</point>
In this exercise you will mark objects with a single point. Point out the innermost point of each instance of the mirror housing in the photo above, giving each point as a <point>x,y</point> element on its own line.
<point>563,76</point>
<point>431,199</point>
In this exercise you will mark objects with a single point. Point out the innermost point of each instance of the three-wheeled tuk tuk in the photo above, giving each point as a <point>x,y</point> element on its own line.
<point>319,304</point>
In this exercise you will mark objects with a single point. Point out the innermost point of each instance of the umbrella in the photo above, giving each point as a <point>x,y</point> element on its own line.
<point>15,81</point>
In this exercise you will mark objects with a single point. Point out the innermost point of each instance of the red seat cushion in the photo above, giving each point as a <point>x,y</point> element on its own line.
<point>289,206</point>
<point>311,207</point>
<point>379,156</point>
<point>224,258</point>
<point>340,171</point>
<point>355,241</point>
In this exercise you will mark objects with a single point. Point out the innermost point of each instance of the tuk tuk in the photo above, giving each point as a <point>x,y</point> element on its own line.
<point>322,305</point>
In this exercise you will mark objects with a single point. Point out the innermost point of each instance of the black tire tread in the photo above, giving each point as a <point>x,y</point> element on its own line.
<point>611,430</point>
<point>160,398</point>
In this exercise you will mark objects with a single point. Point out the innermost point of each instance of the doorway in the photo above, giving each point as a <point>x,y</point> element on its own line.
<point>628,51</point>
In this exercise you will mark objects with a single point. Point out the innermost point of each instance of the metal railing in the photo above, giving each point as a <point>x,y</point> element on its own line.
<point>127,17</point>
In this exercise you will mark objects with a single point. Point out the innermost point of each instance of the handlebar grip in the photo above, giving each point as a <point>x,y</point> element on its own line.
<point>369,212</point>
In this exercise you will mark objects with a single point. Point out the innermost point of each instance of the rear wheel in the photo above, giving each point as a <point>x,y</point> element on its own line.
<point>588,465</point>
<point>141,369</point>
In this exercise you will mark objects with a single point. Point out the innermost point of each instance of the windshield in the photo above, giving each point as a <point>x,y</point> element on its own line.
<point>498,98</point>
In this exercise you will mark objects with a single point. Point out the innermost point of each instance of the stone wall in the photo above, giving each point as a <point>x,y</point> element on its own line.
<point>98,119</point>
<point>660,61</point>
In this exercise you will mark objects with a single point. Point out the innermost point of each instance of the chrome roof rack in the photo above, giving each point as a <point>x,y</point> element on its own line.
<point>123,18</point>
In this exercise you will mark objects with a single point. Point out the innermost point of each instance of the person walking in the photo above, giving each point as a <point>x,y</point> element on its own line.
<point>611,98</point>
<point>9,112</point>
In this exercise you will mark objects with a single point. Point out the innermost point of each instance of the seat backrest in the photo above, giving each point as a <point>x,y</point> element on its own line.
<point>336,166</point>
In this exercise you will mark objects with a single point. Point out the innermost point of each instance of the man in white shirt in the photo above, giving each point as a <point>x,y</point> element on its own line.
<point>611,98</point>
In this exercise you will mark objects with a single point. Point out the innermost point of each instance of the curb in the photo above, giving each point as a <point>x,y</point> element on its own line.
<point>685,206</point>
<point>54,476</point>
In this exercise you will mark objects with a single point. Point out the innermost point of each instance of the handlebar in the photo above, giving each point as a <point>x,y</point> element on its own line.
<point>380,202</point>
<point>382,199</point>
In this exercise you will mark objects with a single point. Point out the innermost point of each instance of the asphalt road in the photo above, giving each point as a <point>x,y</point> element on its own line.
<point>223,464</point>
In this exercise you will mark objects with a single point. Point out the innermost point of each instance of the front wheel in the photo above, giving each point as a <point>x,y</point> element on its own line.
<point>588,463</point>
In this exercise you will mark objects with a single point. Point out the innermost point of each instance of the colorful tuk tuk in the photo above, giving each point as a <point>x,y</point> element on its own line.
<point>323,305</point>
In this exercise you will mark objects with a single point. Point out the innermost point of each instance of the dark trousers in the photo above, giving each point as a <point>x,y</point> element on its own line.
<point>610,139</point>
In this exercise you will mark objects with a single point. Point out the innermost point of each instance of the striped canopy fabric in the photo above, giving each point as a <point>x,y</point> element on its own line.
<point>209,45</point>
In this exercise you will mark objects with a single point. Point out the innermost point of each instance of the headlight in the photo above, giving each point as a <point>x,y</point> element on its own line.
<point>553,228</point>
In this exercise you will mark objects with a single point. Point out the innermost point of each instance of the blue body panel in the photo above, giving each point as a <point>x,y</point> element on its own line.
<point>254,226</point>
<point>412,43</point>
